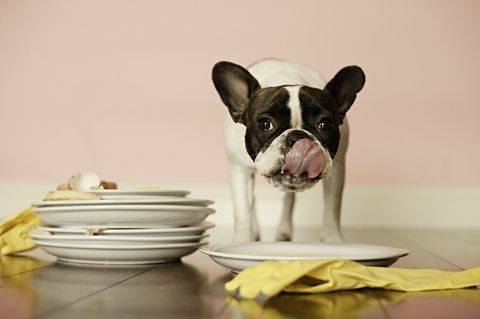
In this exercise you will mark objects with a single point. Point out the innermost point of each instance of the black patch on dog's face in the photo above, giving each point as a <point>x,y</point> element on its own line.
<point>270,104</point>
<point>321,117</point>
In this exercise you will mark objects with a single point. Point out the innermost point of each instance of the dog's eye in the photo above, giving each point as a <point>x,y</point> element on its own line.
<point>326,125</point>
<point>265,124</point>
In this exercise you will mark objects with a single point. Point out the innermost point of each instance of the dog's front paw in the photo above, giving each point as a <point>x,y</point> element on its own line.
<point>283,236</point>
<point>284,232</point>
<point>331,236</point>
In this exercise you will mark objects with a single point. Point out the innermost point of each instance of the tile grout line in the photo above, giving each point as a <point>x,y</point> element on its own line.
<point>225,305</point>
<point>426,250</point>
<point>26,271</point>
<point>382,306</point>
<point>465,240</point>
<point>52,311</point>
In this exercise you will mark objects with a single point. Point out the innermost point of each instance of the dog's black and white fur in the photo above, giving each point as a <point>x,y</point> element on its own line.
<point>271,105</point>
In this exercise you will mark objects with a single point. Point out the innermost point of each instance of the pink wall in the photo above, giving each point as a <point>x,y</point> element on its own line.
<point>123,87</point>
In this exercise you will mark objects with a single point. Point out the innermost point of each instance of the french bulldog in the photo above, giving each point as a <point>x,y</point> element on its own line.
<point>288,125</point>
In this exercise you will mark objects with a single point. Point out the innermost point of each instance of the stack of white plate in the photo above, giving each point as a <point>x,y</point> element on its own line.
<point>123,227</point>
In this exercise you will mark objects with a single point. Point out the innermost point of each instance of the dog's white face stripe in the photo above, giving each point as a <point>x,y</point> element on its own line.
<point>294,105</point>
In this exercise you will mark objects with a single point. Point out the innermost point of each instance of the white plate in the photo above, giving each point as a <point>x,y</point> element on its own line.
<point>119,255</point>
<point>143,216</point>
<point>144,232</point>
<point>135,196</point>
<point>240,256</point>
<point>114,240</point>
<point>139,192</point>
<point>131,201</point>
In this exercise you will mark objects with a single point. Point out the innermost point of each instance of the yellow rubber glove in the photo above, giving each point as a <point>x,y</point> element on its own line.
<point>14,232</point>
<point>268,278</point>
<point>313,276</point>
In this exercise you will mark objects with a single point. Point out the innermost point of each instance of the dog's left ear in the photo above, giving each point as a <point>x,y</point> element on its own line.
<point>235,85</point>
<point>344,87</point>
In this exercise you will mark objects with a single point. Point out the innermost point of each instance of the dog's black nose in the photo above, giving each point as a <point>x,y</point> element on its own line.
<point>294,136</point>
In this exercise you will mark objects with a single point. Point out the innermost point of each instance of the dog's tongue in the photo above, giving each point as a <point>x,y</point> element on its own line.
<point>305,156</point>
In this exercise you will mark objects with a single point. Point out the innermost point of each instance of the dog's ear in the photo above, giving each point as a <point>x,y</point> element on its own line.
<point>235,85</point>
<point>344,87</point>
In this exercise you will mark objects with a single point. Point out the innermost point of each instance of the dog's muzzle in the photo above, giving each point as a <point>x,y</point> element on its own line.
<point>294,161</point>
<point>304,157</point>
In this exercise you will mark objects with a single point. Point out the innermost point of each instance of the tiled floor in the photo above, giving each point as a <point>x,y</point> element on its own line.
<point>40,288</point>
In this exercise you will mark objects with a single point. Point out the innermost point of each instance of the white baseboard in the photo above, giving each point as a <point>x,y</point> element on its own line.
<point>385,207</point>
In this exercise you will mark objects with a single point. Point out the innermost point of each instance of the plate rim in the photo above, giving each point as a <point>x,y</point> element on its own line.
<point>115,238</point>
<point>176,208</point>
<point>211,251</point>
<point>204,225</point>
<point>139,191</point>
<point>92,202</point>
<point>124,263</point>
<point>120,247</point>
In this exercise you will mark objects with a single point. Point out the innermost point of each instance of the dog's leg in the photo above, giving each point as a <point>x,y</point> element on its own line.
<point>255,227</point>
<point>333,192</point>
<point>241,183</point>
<point>253,210</point>
<point>284,229</point>
<point>332,197</point>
